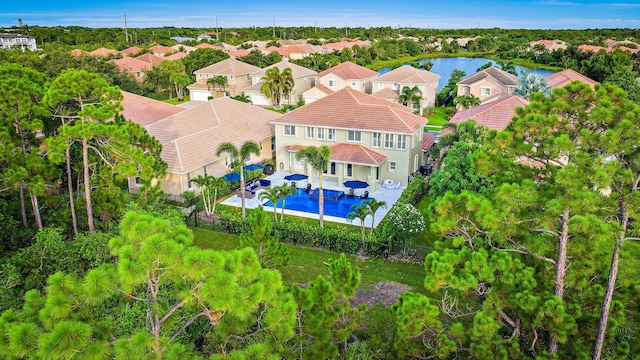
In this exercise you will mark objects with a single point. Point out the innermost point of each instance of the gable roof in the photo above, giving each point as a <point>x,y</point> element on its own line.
<point>494,115</point>
<point>228,67</point>
<point>562,78</point>
<point>131,64</point>
<point>427,141</point>
<point>351,109</point>
<point>407,74</point>
<point>103,52</point>
<point>348,70</point>
<point>205,45</point>
<point>161,50</point>
<point>176,56</point>
<point>144,110</point>
<point>387,94</point>
<point>492,72</point>
<point>356,154</point>
<point>130,51</point>
<point>150,58</point>
<point>190,138</point>
<point>296,70</point>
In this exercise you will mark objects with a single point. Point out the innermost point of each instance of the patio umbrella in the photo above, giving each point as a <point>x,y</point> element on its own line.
<point>234,176</point>
<point>253,167</point>
<point>356,184</point>
<point>295,177</point>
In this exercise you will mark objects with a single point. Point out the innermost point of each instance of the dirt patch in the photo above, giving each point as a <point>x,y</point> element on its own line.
<point>386,292</point>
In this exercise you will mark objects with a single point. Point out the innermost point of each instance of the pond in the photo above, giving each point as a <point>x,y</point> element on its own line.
<point>445,66</point>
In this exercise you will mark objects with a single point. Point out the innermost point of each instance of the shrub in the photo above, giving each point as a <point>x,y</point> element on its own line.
<point>429,110</point>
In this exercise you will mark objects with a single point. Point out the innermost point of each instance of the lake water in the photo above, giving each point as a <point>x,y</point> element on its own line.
<point>445,66</point>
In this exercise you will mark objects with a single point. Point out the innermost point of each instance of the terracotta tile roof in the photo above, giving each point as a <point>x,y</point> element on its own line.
<point>348,70</point>
<point>427,141</point>
<point>190,138</point>
<point>104,52</point>
<point>628,49</point>
<point>351,109</point>
<point>130,51</point>
<point>609,42</point>
<point>228,67</point>
<point>562,78</point>
<point>176,56</point>
<point>160,50</point>
<point>205,45</point>
<point>591,48</point>
<point>78,52</point>
<point>185,48</point>
<point>494,115</point>
<point>131,64</point>
<point>356,154</point>
<point>387,94</point>
<point>407,74</point>
<point>493,72</point>
<point>144,110</point>
<point>294,148</point>
<point>297,70</point>
<point>151,59</point>
<point>238,53</point>
<point>224,46</point>
<point>287,51</point>
<point>324,89</point>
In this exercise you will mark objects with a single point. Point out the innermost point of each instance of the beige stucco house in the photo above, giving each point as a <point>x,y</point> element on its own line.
<point>303,80</point>
<point>488,84</point>
<point>190,138</point>
<point>407,76</point>
<point>371,139</point>
<point>237,74</point>
<point>340,76</point>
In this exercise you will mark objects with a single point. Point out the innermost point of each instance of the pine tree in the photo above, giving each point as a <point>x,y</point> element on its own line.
<point>272,254</point>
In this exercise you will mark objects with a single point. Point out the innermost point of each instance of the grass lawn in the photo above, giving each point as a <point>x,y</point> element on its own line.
<point>439,118</point>
<point>175,101</point>
<point>307,264</point>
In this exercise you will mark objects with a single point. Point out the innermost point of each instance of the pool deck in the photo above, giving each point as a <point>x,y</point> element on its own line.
<point>277,179</point>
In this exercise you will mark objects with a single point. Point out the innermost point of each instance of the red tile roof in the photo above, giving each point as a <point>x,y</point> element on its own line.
<point>131,64</point>
<point>592,48</point>
<point>348,70</point>
<point>228,67</point>
<point>427,141</point>
<point>494,115</point>
<point>351,109</point>
<point>407,74</point>
<point>103,52</point>
<point>144,110</point>
<point>160,50</point>
<point>356,154</point>
<point>130,51</point>
<point>562,78</point>
<point>150,58</point>
<point>176,56</point>
<point>205,46</point>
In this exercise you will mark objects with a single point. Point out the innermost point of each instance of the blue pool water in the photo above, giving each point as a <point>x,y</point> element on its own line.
<point>300,201</point>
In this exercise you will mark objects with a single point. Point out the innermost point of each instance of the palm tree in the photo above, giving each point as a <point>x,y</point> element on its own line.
<point>209,187</point>
<point>277,84</point>
<point>244,98</point>
<point>374,205</point>
<point>508,67</point>
<point>218,83</point>
<point>318,158</point>
<point>467,101</point>
<point>239,158</point>
<point>411,97</point>
<point>273,194</point>
<point>285,190</point>
<point>360,212</point>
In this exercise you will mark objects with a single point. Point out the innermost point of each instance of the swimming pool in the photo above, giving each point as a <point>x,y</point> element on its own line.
<point>301,201</point>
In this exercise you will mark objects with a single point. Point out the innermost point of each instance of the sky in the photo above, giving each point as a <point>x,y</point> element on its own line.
<point>507,14</point>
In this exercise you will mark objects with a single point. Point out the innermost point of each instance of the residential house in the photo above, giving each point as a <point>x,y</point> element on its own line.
<point>238,76</point>
<point>183,48</point>
<point>205,46</point>
<point>407,76</point>
<point>340,76</point>
<point>224,46</point>
<point>549,45</point>
<point>493,115</point>
<point>17,41</point>
<point>293,52</point>
<point>130,51</point>
<point>175,56</point>
<point>144,110</point>
<point>371,139</point>
<point>564,77</point>
<point>487,84</point>
<point>104,52</point>
<point>190,138</point>
<point>151,59</point>
<point>161,50</point>
<point>134,66</point>
<point>303,80</point>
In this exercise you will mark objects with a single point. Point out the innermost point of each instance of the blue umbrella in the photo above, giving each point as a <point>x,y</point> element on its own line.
<point>234,176</point>
<point>253,167</point>
<point>355,184</point>
<point>295,177</point>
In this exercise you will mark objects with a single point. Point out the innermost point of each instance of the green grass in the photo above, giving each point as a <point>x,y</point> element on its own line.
<point>439,118</point>
<point>306,264</point>
<point>175,101</point>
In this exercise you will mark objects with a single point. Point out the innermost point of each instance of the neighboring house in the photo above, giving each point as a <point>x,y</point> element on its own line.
<point>104,52</point>
<point>17,41</point>
<point>146,111</point>
<point>130,51</point>
<point>488,84</point>
<point>303,79</point>
<point>562,78</point>
<point>134,66</point>
<point>317,92</point>
<point>462,42</point>
<point>371,139</point>
<point>344,75</point>
<point>161,50</point>
<point>238,53</point>
<point>493,115</point>
<point>407,76</point>
<point>549,45</point>
<point>224,46</point>
<point>190,138</point>
<point>183,48</point>
<point>205,46</point>
<point>238,76</point>
<point>176,56</point>
<point>293,52</point>
<point>151,59</point>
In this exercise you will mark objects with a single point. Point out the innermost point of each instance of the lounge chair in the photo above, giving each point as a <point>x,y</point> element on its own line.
<point>351,194</point>
<point>308,188</point>
<point>365,195</point>
<point>293,184</point>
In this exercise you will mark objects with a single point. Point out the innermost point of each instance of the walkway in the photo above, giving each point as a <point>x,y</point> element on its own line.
<point>277,179</point>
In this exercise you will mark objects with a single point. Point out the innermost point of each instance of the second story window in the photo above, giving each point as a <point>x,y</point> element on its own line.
<point>353,136</point>
<point>375,139</point>
<point>331,134</point>
<point>333,83</point>
<point>402,142</point>
<point>290,130</point>
<point>310,132</point>
<point>321,133</point>
<point>388,141</point>
<point>485,91</point>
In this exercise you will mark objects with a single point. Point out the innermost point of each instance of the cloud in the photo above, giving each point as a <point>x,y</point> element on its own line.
<point>559,3</point>
<point>623,6</point>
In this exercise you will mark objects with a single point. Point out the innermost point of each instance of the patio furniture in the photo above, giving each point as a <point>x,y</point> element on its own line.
<point>308,188</point>
<point>365,195</point>
<point>247,194</point>
<point>351,194</point>
<point>390,185</point>
<point>293,184</point>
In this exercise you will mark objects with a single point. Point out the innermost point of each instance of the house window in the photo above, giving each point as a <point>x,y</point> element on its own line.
<point>349,170</point>
<point>205,171</point>
<point>137,181</point>
<point>388,141</point>
<point>510,90</point>
<point>485,91</point>
<point>353,136</point>
<point>332,83</point>
<point>392,166</point>
<point>465,90</point>
<point>189,184</point>
<point>395,86</point>
<point>321,133</point>
<point>290,130</point>
<point>248,78</point>
<point>273,143</point>
<point>375,139</point>
<point>377,173</point>
<point>415,163</point>
<point>309,132</point>
<point>402,142</point>
<point>298,164</point>
<point>333,168</point>
<point>331,135</point>
<point>380,85</point>
<point>305,81</point>
<point>353,83</point>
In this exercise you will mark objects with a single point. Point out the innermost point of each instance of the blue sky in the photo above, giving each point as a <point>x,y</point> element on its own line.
<point>539,14</point>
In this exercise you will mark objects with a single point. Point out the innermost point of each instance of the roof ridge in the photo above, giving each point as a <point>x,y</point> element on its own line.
<point>393,110</point>
<point>175,144</point>
<point>366,151</point>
